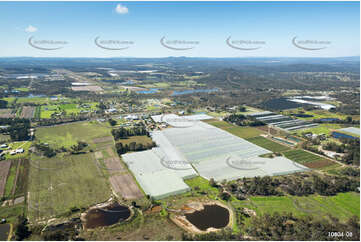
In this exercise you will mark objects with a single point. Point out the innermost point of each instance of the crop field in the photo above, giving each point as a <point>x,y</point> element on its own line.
<point>308,159</point>
<point>268,144</point>
<point>242,132</point>
<point>59,184</point>
<point>68,134</point>
<point>11,177</point>
<point>342,206</point>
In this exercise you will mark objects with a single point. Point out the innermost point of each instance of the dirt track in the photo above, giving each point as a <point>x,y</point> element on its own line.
<point>4,170</point>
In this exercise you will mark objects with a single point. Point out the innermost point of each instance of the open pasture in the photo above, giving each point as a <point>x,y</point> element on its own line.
<point>59,184</point>
<point>342,206</point>
<point>67,109</point>
<point>68,134</point>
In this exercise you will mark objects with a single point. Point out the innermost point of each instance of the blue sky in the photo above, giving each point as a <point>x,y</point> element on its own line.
<point>272,24</point>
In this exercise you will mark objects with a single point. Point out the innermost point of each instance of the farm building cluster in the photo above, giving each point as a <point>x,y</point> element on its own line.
<point>192,147</point>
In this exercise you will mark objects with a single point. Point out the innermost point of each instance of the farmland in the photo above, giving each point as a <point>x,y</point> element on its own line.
<point>320,129</point>
<point>58,184</point>
<point>28,112</point>
<point>66,109</point>
<point>242,132</point>
<point>317,114</point>
<point>68,134</point>
<point>268,144</point>
<point>308,159</point>
<point>4,170</point>
<point>342,206</point>
<point>120,179</point>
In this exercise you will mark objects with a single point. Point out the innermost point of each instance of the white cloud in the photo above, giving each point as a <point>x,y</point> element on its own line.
<point>121,9</point>
<point>31,29</point>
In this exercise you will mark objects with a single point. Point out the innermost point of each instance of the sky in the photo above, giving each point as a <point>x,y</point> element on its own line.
<point>193,29</point>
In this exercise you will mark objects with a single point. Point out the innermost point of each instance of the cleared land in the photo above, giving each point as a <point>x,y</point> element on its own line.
<point>125,186</point>
<point>6,113</point>
<point>342,206</point>
<point>68,134</point>
<point>268,144</point>
<point>320,129</point>
<point>4,170</point>
<point>120,179</point>
<point>308,159</point>
<point>28,112</point>
<point>143,139</point>
<point>66,109</point>
<point>87,88</point>
<point>242,132</point>
<point>59,184</point>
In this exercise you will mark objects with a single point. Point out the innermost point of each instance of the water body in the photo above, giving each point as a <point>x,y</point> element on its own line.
<point>32,95</point>
<point>338,135</point>
<point>106,216</point>
<point>184,92</point>
<point>212,216</point>
<point>329,119</point>
<point>149,91</point>
<point>4,231</point>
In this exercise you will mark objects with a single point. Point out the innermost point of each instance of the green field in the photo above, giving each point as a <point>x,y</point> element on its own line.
<point>268,144</point>
<point>143,139</point>
<point>342,206</point>
<point>68,108</point>
<point>60,183</point>
<point>68,134</point>
<point>320,129</point>
<point>302,156</point>
<point>242,132</point>
<point>317,114</point>
<point>22,89</point>
<point>203,185</point>
<point>11,179</point>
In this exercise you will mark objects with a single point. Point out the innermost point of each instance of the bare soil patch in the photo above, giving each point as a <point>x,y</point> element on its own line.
<point>87,88</point>
<point>27,112</point>
<point>6,113</point>
<point>318,164</point>
<point>103,139</point>
<point>125,185</point>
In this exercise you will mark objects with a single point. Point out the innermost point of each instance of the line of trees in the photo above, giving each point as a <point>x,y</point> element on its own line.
<point>242,120</point>
<point>123,133</point>
<point>133,146</point>
<point>18,128</point>
<point>297,185</point>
